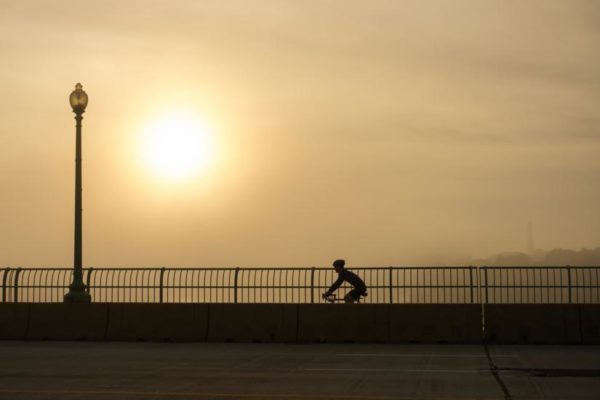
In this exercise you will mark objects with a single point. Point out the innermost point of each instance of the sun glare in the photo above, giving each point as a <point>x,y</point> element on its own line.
<point>177,146</point>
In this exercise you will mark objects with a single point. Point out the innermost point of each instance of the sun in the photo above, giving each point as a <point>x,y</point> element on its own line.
<point>177,146</point>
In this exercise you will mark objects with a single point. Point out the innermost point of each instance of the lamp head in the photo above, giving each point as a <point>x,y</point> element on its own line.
<point>78,99</point>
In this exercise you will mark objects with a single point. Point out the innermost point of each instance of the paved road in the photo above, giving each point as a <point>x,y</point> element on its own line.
<point>112,370</point>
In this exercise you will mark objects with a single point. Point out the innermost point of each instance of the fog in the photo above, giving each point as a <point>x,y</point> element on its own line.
<point>382,132</point>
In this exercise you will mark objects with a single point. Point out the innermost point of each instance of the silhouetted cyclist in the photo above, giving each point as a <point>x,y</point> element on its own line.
<point>358,285</point>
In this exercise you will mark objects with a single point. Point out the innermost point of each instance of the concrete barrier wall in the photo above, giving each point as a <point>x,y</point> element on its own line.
<point>362,323</point>
<point>590,323</point>
<point>253,323</point>
<point>533,323</point>
<point>157,322</point>
<point>14,318</point>
<point>67,321</point>
<point>435,323</point>
<point>343,323</point>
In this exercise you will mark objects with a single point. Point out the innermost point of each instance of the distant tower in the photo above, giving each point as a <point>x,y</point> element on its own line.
<point>530,245</point>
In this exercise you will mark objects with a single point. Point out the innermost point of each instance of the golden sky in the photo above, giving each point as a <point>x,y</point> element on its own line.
<point>383,132</point>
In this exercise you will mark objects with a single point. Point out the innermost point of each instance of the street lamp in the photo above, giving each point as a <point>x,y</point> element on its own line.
<point>77,293</point>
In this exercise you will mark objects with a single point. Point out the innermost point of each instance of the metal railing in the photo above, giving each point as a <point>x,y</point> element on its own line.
<point>391,285</point>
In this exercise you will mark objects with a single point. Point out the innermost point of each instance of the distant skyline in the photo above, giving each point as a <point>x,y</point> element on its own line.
<point>381,132</point>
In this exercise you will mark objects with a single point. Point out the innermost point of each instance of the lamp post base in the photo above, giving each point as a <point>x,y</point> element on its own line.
<point>77,296</point>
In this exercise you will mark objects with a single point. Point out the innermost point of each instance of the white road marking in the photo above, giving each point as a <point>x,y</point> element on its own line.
<point>426,355</point>
<point>214,395</point>
<point>452,371</point>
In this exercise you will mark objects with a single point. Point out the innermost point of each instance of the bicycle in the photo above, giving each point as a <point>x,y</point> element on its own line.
<point>332,298</point>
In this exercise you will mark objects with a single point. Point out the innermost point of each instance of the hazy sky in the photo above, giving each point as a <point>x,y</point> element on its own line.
<point>383,132</point>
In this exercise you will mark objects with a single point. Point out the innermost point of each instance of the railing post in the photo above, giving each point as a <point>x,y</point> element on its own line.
<point>312,285</point>
<point>471,281</point>
<point>485,280</point>
<point>4,278</point>
<point>235,285</point>
<point>16,286</point>
<point>391,289</point>
<point>161,284</point>
<point>569,275</point>
<point>88,279</point>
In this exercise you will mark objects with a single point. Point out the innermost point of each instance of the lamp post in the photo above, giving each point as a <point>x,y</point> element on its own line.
<point>77,293</point>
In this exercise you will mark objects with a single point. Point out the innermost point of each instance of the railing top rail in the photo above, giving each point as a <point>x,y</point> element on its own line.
<point>40,268</point>
<point>224,268</point>
<point>542,267</point>
<point>257,268</point>
<point>246,270</point>
<point>362,268</point>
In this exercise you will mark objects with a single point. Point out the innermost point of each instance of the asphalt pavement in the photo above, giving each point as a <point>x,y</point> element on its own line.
<point>143,370</point>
